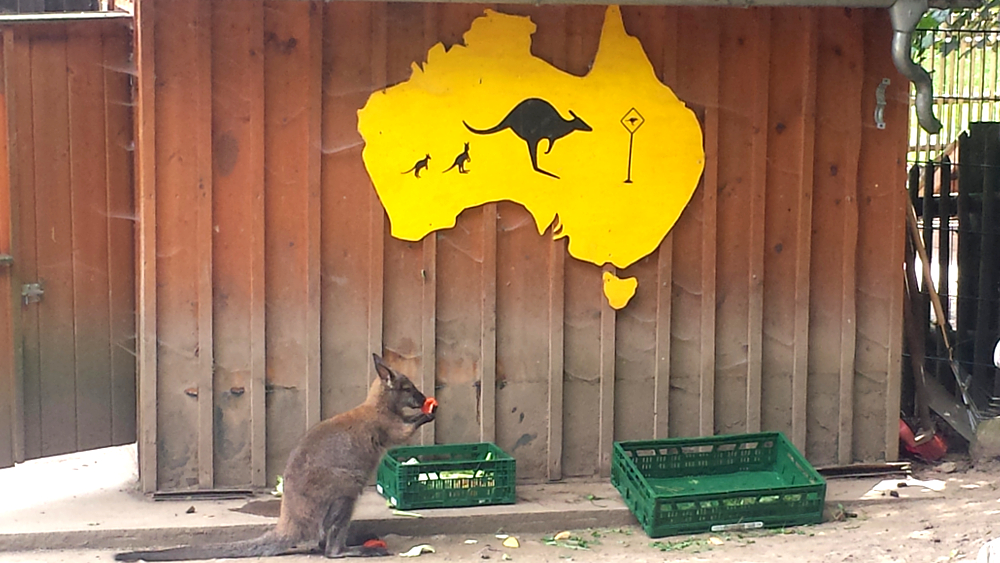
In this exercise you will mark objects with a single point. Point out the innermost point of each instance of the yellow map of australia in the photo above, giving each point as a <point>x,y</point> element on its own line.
<point>609,160</point>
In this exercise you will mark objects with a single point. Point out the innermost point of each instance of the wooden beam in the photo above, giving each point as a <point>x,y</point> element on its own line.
<point>848,317</point>
<point>428,355</point>
<point>758,183</point>
<point>709,225</point>
<point>606,412</point>
<point>314,85</point>
<point>800,344</point>
<point>376,213</point>
<point>145,199</point>
<point>202,137</point>
<point>557,295</point>
<point>488,334</point>
<point>17,77</point>
<point>664,264</point>
<point>10,374</point>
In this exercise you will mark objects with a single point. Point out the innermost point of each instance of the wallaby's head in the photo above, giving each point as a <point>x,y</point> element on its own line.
<point>395,390</point>
<point>579,124</point>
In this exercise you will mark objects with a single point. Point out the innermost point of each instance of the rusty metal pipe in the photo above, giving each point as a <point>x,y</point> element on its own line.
<point>905,15</point>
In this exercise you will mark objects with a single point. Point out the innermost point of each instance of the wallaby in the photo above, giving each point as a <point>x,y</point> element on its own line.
<point>535,119</point>
<point>325,474</point>
<point>420,165</point>
<point>461,160</point>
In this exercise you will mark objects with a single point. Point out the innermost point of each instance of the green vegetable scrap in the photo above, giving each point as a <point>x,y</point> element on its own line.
<point>572,542</point>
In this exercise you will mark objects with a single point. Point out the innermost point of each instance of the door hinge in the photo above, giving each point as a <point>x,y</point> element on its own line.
<point>32,292</point>
<point>6,260</point>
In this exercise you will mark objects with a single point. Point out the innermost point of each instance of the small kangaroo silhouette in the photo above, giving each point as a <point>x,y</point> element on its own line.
<point>535,119</point>
<point>460,161</point>
<point>420,165</point>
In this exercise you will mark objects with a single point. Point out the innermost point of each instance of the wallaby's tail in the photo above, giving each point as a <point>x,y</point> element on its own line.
<point>499,127</point>
<point>266,545</point>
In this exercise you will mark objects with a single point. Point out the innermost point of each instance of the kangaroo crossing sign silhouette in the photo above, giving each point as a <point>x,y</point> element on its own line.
<point>608,160</point>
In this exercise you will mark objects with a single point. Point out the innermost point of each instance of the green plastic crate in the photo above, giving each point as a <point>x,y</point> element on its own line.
<point>447,476</point>
<point>717,483</point>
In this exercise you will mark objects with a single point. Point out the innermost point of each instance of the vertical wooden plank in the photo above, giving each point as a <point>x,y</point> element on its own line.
<point>404,271</point>
<point>238,249</point>
<point>735,168</point>
<point>145,198</point>
<point>428,273</point>
<point>791,106</point>
<point>376,213</point>
<point>881,223</point>
<point>522,342</point>
<point>557,273</point>
<point>664,257</point>
<point>346,200</point>
<point>686,408</point>
<point>488,328</point>
<point>88,182</point>
<point>465,293</point>
<point>606,409</point>
<point>292,147</point>
<point>709,94</point>
<point>848,316</point>
<point>9,365</point>
<point>120,208</point>
<point>556,312</point>
<point>522,319</point>
<point>636,331</point>
<point>800,342</point>
<point>428,333</point>
<point>834,234</point>
<point>17,108</point>
<point>582,295</point>
<point>184,230</point>
<point>54,239</point>
<point>758,182</point>
<point>205,352</point>
<point>314,113</point>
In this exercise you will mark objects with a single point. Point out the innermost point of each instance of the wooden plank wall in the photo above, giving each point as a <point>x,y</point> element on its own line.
<point>68,98</point>
<point>773,304</point>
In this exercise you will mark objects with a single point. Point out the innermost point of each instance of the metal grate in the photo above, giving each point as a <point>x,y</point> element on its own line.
<point>948,187</point>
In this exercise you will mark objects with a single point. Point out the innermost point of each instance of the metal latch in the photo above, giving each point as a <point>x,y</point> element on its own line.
<point>880,103</point>
<point>32,292</point>
<point>6,260</point>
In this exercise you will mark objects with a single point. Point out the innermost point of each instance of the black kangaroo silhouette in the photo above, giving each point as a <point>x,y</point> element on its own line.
<point>460,161</point>
<point>535,119</point>
<point>420,165</point>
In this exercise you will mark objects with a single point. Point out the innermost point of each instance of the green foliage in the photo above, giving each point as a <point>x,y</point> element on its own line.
<point>932,30</point>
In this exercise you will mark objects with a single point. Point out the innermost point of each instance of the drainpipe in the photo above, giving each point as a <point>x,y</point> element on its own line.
<point>905,15</point>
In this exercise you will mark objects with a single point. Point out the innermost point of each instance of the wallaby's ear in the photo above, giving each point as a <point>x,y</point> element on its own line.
<point>573,114</point>
<point>384,373</point>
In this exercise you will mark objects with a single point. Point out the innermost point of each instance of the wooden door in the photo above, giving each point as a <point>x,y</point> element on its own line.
<point>71,310</point>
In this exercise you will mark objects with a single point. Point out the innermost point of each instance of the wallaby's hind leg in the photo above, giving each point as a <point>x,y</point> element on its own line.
<point>337,523</point>
<point>533,152</point>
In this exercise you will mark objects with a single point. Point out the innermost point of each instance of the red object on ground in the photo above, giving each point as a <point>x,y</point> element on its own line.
<point>430,405</point>
<point>932,450</point>
<point>376,543</point>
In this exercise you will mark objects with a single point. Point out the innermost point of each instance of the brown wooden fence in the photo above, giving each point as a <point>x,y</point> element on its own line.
<point>67,328</point>
<point>267,275</point>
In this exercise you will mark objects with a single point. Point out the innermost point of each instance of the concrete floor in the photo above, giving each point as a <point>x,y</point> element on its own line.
<point>91,499</point>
